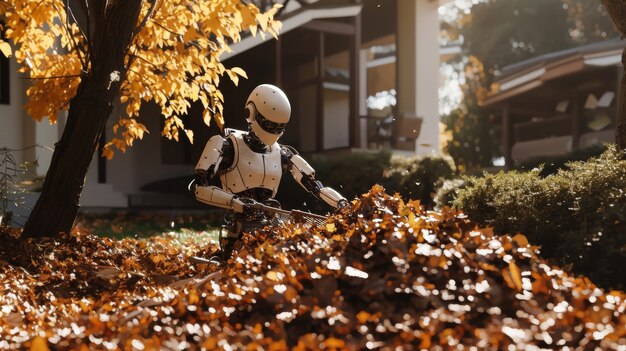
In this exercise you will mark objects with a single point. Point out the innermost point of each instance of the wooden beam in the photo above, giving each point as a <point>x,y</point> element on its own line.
<point>513,92</point>
<point>563,68</point>
<point>321,69</point>
<point>507,137</point>
<point>355,50</point>
<point>330,27</point>
<point>532,110</point>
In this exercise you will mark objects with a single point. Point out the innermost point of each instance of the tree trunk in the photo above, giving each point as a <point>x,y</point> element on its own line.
<point>89,111</point>
<point>58,204</point>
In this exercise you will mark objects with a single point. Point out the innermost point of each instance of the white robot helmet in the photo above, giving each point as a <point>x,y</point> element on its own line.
<point>268,111</point>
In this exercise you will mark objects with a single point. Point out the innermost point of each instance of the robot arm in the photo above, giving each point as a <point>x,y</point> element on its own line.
<point>211,157</point>
<point>304,174</point>
<point>217,197</point>
<point>217,149</point>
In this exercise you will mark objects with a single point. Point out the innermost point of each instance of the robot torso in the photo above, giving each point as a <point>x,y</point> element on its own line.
<point>251,170</point>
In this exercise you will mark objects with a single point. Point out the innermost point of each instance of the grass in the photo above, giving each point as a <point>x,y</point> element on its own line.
<point>140,224</point>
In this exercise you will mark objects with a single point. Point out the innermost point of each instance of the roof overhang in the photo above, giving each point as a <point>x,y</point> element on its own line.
<point>536,75</point>
<point>292,21</point>
<point>604,59</point>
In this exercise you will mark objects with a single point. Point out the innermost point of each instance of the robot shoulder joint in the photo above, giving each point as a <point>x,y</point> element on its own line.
<point>212,154</point>
<point>288,151</point>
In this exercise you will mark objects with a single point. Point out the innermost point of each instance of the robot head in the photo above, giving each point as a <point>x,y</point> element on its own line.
<point>268,111</point>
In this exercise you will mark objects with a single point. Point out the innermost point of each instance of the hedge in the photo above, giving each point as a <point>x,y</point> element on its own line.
<point>577,215</point>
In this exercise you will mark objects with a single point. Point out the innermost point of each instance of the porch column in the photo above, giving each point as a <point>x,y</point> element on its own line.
<point>576,122</point>
<point>418,68</point>
<point>507,136</point>
<point>355,85</point>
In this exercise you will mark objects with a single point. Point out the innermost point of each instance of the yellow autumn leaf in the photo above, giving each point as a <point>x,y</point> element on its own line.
<point>513,276</point>
<point>363,317</point>
<point>239,71</point>
<point>5,48</point>
<point>521,240</point>
<point>195,90</point>
<point>330,227</point>
<point>334,343</point>
<point>39,344</point>
<point>220,120</point>
<point>234,77</point>
<point>206,117</point>
<point>271,275</point>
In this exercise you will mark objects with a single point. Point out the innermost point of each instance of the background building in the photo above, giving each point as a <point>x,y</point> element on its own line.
<point>557,103</point>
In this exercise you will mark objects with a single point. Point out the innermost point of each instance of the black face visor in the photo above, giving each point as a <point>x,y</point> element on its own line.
<point>269,126</point>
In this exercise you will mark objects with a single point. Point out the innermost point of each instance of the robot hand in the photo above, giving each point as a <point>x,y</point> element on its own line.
<point>249,205</point>
<point>199,180</point>
<point>343,203</point>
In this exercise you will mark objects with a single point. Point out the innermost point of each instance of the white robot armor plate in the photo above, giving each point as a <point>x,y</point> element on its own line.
<point>250,169</point>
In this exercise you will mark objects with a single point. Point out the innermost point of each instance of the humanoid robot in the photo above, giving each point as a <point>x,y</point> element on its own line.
<point>250,165</point>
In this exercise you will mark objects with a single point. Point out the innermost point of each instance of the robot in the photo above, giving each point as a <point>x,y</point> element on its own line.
<point>250,165</point>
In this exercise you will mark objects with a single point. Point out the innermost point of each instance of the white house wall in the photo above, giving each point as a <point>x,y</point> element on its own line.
<point>145,160</point>
<point>336,119</point>
<point>418,68</point>
<point>12,116</point>
<point>127,172</point>
<point>19,132</point>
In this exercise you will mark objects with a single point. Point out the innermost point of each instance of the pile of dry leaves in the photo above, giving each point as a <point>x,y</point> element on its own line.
<point>380,275</point>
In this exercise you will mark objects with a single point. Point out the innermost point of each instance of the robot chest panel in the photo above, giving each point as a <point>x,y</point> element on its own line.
<point>253,170</point>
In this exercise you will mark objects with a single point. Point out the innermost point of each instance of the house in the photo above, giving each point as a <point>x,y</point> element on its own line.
<point>557,103</point>
<point>332,58</point>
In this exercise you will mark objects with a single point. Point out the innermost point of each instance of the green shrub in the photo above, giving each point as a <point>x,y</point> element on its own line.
<point>577,216</point>
<point>551,165</point>
<point>354,174</point>
<point>351,174</point>
<point>447,192</point>
<point>416,178</point>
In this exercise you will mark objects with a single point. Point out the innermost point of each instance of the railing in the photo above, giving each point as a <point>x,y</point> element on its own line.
<point>12,189</point>
<point>391,132</point>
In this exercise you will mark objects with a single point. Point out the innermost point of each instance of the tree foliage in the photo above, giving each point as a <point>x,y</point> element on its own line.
<point>173,59</point>
<point>473,144</point>
<point>496,33</point>
<point>502,32</point>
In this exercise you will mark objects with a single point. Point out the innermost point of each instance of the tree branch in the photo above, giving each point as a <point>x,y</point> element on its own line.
<point>166,29</point>
<point>53,77</point>
<point>71,12</point>
<point>69,33</point>
<point>145,19</point>
<point>135,55</point>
